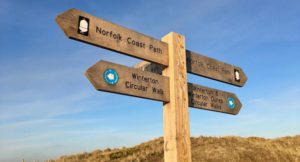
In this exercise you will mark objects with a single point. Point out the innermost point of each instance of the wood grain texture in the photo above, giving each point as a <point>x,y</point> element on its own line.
<point>150,67</point>
<point>114,37</point>
<point>202,97</point>
<point>214,69</point>
<point>132,82</point>
<point>177,146</point>
<point>204,66</point>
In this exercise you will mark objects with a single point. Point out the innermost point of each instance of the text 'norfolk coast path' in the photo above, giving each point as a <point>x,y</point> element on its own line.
<point>161,77</point>
<point>84,27</point>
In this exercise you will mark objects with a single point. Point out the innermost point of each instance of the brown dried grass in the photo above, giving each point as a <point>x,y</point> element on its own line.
<point>208,149</point>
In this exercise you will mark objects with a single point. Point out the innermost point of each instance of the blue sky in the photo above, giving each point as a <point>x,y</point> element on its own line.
<point>48,108</point>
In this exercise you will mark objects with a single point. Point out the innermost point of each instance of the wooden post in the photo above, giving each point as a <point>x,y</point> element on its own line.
<point>177,145</point>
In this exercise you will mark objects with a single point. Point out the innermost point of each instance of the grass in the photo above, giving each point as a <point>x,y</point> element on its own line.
<point>208,149</point>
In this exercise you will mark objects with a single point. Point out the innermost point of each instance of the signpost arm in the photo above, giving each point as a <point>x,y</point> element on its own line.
<point>177,145</point>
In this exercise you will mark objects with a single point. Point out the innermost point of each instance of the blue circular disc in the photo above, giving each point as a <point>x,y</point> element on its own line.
<point>111,76</point>
<point>230,102</point>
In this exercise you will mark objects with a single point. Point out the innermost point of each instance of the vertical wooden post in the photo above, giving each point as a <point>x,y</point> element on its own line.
<point>177,145</point>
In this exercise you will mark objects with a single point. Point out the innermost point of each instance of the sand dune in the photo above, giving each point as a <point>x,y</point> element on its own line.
<point>210,149</point>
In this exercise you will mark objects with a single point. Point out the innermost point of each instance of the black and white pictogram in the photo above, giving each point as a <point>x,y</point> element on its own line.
<point>83,25</point>
<point>237,75</point>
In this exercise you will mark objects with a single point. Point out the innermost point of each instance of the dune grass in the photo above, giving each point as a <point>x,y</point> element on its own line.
<point>208,149</point>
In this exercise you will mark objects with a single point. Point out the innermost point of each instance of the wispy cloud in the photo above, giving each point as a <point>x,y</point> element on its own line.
<point>284,100</point>
<point>52,137</point>
<point>48,108</point>
<point>273,116</point>
<point>42,108</point>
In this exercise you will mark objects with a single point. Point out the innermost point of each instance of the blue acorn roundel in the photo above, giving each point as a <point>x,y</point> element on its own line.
<point>230,102</point>
<point>111,76</point>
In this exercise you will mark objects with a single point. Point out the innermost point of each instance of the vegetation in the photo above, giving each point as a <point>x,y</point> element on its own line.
<point>208,149</point>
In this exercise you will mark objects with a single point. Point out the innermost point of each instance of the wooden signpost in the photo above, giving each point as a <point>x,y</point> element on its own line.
<point>170,61</point>
<point>212,99</point>
<point>110,77</point>
<point>211,68</point>
<point>177,144</point>
<point>202,97</point>
<point>86,28</point>
<point>204,66</point>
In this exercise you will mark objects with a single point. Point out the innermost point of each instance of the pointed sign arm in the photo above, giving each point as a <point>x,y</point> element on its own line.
<point>89,29</point>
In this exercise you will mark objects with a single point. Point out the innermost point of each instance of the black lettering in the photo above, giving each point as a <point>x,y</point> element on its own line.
<point>155,49</point>
<point>109,34</point>
<point>127,84</point>
<point>135,43</point>
<point>98,30</point>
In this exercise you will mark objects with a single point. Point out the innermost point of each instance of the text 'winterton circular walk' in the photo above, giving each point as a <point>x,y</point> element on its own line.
<point>162,78</point>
